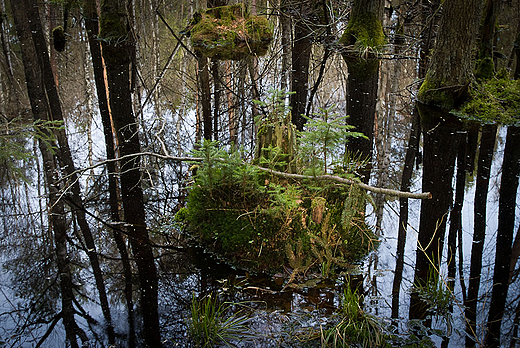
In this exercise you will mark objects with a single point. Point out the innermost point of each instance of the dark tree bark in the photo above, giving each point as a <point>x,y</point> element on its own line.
<point>451,65</point>
<point>205,96</point>
<point>117,47</point>
<point>362,85</point>
<point>487,145</point>
<point>301,53</point>
<point>57,217</point>
<point>92,27</point>
<point>216,95</point>
<point>365,27</point>
<point>506,225</point>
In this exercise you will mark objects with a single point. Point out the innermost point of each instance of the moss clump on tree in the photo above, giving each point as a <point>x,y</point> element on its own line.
<point>435,93</point>
<point>229,33</point>
<point>485,69</point>
<point>364,31</point>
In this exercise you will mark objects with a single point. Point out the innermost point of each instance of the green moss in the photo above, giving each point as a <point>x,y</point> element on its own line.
<point>112,26</point>
<point>433,93</point>
<point>493,100</point>
<point>485,69</point>
<point>364,31</point>
<point>255,225</point>
<point>229,32</point>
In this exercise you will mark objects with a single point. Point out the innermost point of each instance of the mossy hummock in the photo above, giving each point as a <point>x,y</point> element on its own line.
<point>230,33</point>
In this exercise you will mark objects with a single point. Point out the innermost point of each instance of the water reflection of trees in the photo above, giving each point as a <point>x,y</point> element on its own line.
<point>28,245</point>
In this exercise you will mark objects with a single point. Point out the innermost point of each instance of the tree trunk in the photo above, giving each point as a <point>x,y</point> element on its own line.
<point>117,48</point>
<point>216,95</point>
<point>451,65</point>
<point>205,96</point>
<point>506,225</point>
<point>91,24</point>
<point>301,53</point>
<point>57,217</point>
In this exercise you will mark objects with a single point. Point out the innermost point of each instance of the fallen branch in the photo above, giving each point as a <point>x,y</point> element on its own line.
<point>326,177</point>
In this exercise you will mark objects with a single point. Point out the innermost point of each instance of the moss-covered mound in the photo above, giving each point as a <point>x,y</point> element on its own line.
<point>493,100</point>
<point>230,33</point>
<point>263,223</point>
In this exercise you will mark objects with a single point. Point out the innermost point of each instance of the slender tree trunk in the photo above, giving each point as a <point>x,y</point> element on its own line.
<point>506,224</point>
<point>57,217</point>
<point>91,24</point>
<point>117,48</point>
<point>301,53</point>
<point>205,96</point>
<point>215,71</point>
<point>232,121</point>
<point>66,161</point>
<point>487,145</point>
<point>285,27</point>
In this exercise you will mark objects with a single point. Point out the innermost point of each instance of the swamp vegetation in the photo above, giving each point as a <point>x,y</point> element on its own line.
<point>259,173</point>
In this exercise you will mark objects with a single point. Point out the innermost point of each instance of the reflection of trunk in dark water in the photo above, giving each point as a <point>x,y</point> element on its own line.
<point>411,152</point>
<point>506,224</point>
<point>440,150</point>
<point>456,212</point>
<point>362,84</point>
<point>487,145</point>
<point>455,231</point>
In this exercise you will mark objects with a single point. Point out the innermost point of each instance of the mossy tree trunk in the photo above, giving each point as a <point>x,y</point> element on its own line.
<point>451,64</point>
<point>366,31</point>
<point>117,51</point>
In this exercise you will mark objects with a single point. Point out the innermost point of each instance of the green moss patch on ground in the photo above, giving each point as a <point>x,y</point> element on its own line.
<point>262,223</point>
<point>230,33</point>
